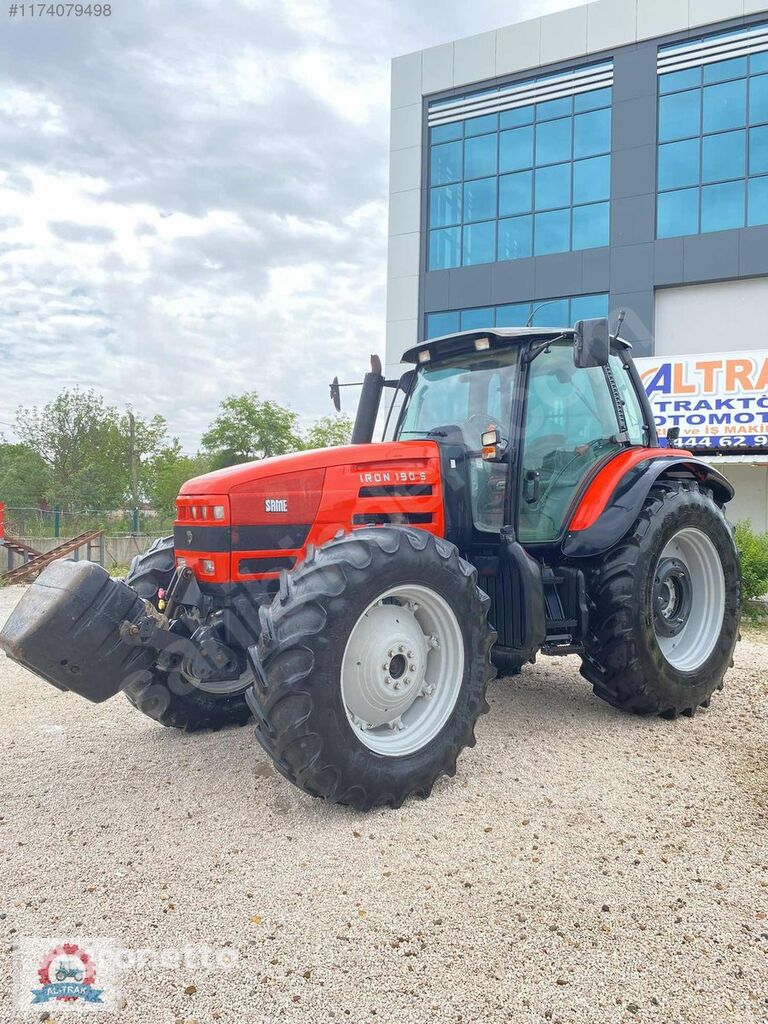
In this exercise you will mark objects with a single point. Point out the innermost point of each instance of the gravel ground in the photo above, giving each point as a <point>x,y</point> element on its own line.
<point>583,865</point>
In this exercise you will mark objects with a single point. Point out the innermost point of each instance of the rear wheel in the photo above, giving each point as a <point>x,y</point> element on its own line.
<point>169,697</point>
<point>372,667</point>
<point>665,606</point>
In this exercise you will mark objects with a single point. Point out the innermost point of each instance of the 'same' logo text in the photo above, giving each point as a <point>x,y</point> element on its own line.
<point>275,504</point>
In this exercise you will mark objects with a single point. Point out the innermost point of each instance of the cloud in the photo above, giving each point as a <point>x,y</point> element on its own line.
<point>193,204</point>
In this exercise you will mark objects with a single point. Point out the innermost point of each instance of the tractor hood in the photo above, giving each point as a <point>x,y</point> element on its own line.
<point>224,481</point>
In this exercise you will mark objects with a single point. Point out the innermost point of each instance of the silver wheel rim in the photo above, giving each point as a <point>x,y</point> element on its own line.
<point>223,687</point>
<point>402,670</point>
<point>688,570</point>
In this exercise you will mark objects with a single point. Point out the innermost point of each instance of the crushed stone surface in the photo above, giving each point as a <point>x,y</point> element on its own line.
<point>583,865</point>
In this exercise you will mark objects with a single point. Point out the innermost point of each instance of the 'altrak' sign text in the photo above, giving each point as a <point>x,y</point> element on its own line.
<point>716,401</point>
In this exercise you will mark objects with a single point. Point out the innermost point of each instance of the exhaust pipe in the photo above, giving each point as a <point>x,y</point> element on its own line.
<point>368,407</point>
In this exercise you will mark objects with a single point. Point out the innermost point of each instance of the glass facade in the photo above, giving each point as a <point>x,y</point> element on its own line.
<point>523,182</point>
<point>562,312</point>
<point>713,146</point>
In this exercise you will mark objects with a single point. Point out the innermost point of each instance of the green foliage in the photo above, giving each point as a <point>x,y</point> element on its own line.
<point>24,477</point>
<point>754,560</point>
<point>247,428</point>
<point>328,432</point>
<point>85,446</point>
<point>166,473</point>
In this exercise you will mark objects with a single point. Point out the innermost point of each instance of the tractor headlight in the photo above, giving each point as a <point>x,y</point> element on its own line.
<point>218,511</point>
<point>207,566</point>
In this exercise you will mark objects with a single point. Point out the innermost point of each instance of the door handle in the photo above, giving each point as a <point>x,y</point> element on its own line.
<point>531,490</point>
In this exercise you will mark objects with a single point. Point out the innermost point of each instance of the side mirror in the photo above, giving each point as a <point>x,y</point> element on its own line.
<point>336,394</point>
<point>406,381</point>
<point>592,343</point>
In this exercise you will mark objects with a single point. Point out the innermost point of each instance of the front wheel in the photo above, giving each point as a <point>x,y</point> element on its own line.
<point>372,667</point>
<point>665,606</point>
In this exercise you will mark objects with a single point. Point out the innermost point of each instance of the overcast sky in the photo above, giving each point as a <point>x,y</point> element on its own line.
<point>193,196</point>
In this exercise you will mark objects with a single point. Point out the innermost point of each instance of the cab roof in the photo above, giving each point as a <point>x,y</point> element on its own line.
<point>463,341</point>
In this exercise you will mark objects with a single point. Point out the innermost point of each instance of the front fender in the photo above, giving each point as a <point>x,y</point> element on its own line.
<point>613,500</point>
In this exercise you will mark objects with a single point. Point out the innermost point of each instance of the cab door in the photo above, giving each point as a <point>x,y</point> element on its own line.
<point>570,423</point>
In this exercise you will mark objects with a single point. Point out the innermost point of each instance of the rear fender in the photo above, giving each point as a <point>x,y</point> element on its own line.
<point>613,500</point>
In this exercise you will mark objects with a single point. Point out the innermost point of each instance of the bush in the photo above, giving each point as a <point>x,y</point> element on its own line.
<point>754,560</point>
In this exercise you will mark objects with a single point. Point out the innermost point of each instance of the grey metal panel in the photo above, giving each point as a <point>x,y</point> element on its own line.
<point>436,290</point>
<point>595,270</point>
<point>633,122</point>
<point>634,72</point>
<point>632,267</point>
<point>668,261</point>
<point>633,171</point>
<point>711,257</point>
<point>638,324</point>
<point>753,251</point>
<point>558,274</point>
<point>512,281</point>
<point>633,220</point>
<point>470,286</point>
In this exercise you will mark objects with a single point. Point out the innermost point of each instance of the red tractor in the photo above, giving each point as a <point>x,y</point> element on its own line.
<point>354,600</point>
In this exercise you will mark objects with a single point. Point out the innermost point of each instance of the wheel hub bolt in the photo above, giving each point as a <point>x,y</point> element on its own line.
<point>411,668</point>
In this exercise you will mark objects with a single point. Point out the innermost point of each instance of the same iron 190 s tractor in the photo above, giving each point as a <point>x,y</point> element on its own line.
<point>354,601</point>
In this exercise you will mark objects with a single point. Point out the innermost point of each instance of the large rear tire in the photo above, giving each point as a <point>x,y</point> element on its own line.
<point>372,667</point>
<point>665,606</point>
<point>168,697</point>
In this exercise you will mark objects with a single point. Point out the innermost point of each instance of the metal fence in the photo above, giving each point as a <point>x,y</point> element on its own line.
<point>36,522</point>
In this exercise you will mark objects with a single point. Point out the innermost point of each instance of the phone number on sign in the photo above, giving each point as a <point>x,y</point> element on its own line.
<point>59,10</point>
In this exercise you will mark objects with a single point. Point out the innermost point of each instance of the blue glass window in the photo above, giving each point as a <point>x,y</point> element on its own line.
<point>722,206</point>
<point>758,150</point>
<point>553,141</point>
<point>471,319</point>
<point>678,213</point>
<point>708,160</point>
<point>516,149</point>
<point>445,206</point>
<point>588,307</point>
<point>446,132</point>
<point>480,199</point>
<point>723,156</point>
<point>758,201</point>
<point>513,316</point>
<point>558,312</point>
<point>592,133</point>
<point>444,248</point>
<point>679,164</point>
<point>552,232</point>
<point>679,115</point>
<point>592,179</point>
<point>515,193</point>
<point>590,226</point>
<point>758,99</point>
<point>480,156</point>
<point>479,243</point>
<point>515,118</point>
<point>553,187</point>
<point>725,106</point>
<point>439,324</point>
<point>515,238</point>
<point>446,163</point>
<point>481,125</point>
<point>509,181</point>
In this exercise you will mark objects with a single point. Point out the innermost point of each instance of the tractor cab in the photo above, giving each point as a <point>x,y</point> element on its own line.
<point>523,418</point>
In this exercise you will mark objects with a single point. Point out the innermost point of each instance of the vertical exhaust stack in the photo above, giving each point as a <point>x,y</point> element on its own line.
<point>368,407</point>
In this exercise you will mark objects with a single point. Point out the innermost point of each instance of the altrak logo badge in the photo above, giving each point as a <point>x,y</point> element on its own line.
<point>67,974</point>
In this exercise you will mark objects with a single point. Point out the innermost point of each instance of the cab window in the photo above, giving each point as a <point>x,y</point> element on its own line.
<point>570,423</point>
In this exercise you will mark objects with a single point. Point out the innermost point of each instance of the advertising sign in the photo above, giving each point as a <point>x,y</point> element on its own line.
<point>717,401</point>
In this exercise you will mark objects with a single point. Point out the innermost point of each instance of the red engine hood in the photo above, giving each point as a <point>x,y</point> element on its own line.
<point>223,480</point>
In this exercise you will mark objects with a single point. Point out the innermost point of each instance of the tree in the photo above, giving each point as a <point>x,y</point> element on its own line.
<point>89,449</point>
<point>24,478</point>
<point>166,473</point>
<point>328,432</point>
<point>247,428</point>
